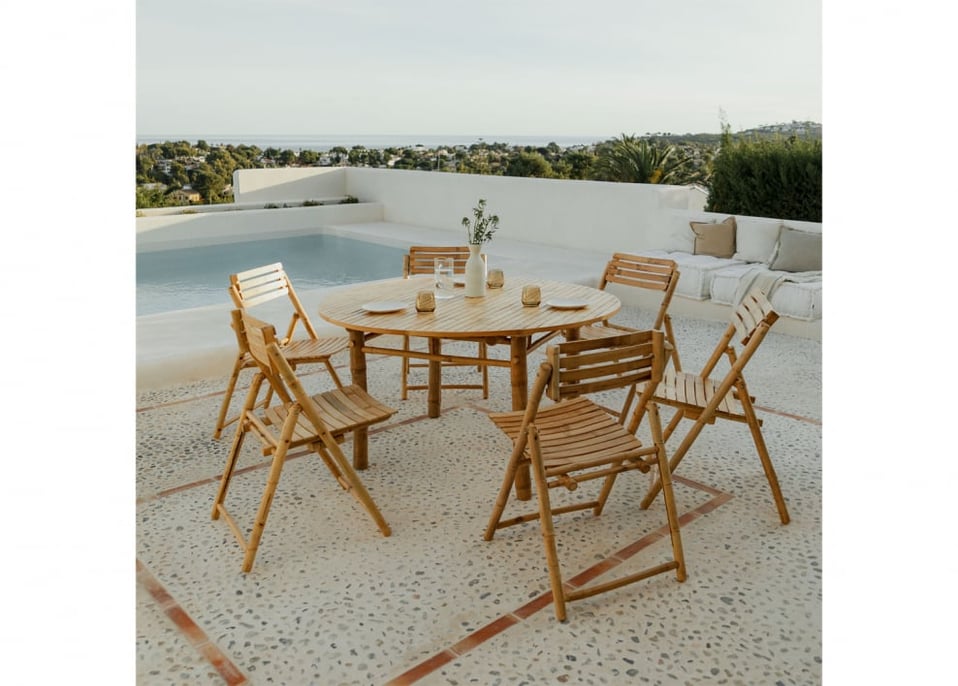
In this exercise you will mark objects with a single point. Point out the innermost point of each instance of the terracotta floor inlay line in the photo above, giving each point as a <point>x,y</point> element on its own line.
<point>544,600</point>
<point>232,675</point>
<point>789,415</point>
<point>190,630</point>
<point>266,463</point>
<point>240,391</point>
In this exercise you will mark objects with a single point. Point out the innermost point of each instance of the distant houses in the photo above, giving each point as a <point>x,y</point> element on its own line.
<point>186,195</point>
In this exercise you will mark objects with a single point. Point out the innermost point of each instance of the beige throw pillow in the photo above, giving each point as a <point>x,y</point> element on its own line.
<point>798,251</point>
<point>717,240</point>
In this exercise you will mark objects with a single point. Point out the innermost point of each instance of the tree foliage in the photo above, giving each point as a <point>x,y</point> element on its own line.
<point>637,160</point>
<point>163,168</point>
<point>529,164</point>
<point>778,177</point>
<point>152,195</point>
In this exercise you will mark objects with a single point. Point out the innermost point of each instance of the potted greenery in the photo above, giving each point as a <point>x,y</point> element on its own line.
<point>479,230</point>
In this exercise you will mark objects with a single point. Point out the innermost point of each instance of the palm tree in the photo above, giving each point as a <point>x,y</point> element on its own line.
<point>633,160</point>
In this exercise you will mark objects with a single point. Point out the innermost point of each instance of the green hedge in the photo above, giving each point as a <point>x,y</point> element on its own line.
<point>780,178</point>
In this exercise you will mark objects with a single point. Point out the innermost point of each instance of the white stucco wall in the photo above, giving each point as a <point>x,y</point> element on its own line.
<point>163,232</point>
<point>570,214</point>
<point>588,215</point>
<point>288,184</point>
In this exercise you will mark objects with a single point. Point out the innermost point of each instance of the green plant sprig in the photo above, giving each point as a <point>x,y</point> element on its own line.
<point>481,229</point>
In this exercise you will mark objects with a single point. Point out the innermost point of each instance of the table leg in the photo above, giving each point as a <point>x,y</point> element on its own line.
<point>434,402</point>
<point>520,396</point>
<point>357,370</point>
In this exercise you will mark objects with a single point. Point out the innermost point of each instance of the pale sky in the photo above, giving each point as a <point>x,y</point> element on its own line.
<point>524,67</point>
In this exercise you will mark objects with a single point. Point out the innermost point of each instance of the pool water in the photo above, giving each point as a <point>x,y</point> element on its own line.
<point>169,280</point>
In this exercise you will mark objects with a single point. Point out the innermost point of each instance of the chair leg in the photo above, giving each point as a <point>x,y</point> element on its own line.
<point>269,396</point>
<point>272,480</point>
<point>230,466</point>
<point>674,461</point>
<point>404,380</point>
<point>673,423</point>
<point>671,511</point>
<point>546,525</point>
<point>407,365</point>
<point>484,369</point>
<point>348,477</point>
<point>670,337</point>
<point>241,428</point>
<point>511,468</point>
<point>332,373</point>
<point>221,422</point>
<point>763,455</point>
<point>607,484</point>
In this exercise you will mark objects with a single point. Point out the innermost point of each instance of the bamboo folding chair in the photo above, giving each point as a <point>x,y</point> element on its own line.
<point>651,273</point>
<point>317,422</point>
<point>576,440</point>
<point>421,260</point>
<point>704,399</point>
<point>263,284</point>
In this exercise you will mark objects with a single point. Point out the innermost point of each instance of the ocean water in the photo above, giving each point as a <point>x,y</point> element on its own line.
<point>323,143</point>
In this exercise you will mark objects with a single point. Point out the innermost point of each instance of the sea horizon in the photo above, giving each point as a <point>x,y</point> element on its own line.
<point>323,143</point>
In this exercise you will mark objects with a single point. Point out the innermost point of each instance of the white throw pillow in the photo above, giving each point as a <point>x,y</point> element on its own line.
<point>679,236</point>
<point>756,238</point>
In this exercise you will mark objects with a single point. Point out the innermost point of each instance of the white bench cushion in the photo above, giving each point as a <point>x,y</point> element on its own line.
<point>799,300</point>
<point>695,271</point>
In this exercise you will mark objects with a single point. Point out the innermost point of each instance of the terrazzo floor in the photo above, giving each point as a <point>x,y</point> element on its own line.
<point>331,601</point>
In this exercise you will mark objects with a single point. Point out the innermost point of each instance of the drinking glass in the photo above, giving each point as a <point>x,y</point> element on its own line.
<point>531,295</point>
<point>425,301</point>
<point>445,268</point>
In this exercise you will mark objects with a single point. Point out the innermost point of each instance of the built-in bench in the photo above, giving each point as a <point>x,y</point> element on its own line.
<point>720,258</point>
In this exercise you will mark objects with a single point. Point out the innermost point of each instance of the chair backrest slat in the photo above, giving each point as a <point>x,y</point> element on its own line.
<point>420,259</point>
<point>588,366</point>
<point>750,313</point>
<point>749,324</point>
<point>262,284</point>
<point>606,384</point>
<point>239,330</point>
<point>258,336</point>
<point>641,271</point>
<point>259,285</point>
<point>266,269</point>
<point>258,277</point>
<point>637,270</point>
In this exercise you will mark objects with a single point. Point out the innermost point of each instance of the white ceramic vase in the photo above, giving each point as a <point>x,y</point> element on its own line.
<point>475,272</point>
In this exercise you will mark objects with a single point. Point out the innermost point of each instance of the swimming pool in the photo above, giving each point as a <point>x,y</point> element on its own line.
<point>170,280</point>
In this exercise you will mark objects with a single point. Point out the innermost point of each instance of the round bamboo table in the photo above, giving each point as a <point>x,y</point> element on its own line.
<point>497,317</point>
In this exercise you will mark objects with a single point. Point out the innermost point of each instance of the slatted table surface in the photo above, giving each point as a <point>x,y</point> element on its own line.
<point>499,313</point>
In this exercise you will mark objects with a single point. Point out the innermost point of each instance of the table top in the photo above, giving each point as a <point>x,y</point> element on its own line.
<point>499,313</point>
